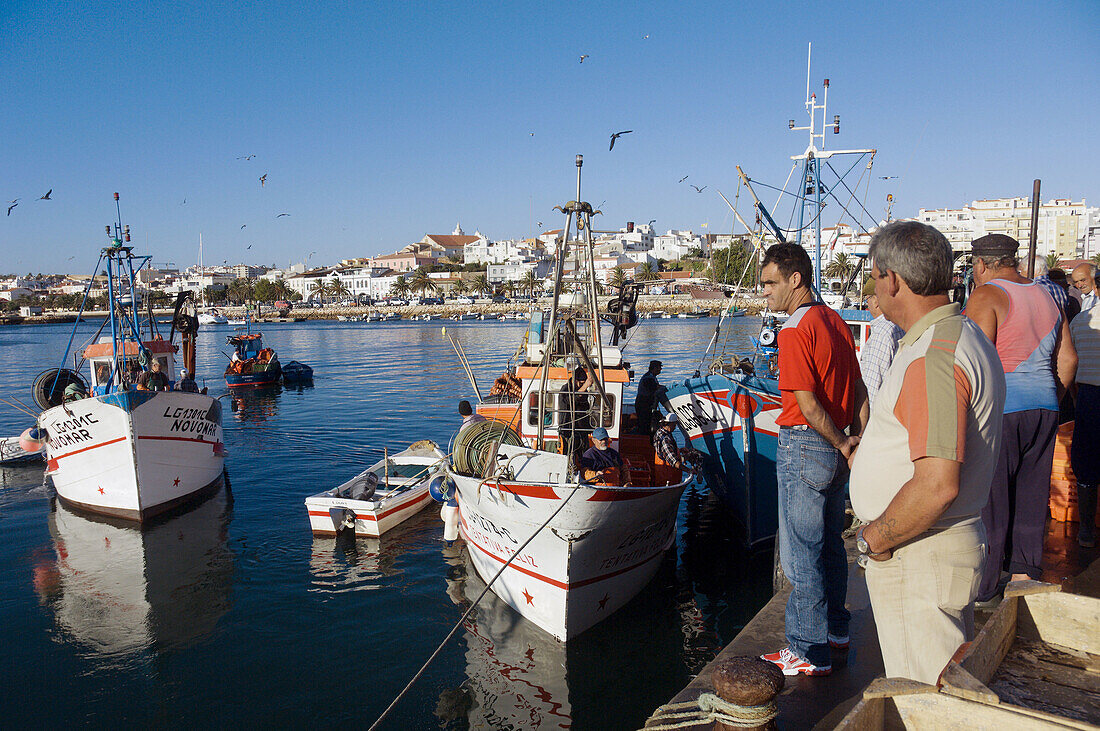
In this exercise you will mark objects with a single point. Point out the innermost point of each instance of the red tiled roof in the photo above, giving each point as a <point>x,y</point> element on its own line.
<point>450,240</point>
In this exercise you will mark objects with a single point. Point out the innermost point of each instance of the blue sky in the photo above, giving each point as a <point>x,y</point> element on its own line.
<point>376,123</point>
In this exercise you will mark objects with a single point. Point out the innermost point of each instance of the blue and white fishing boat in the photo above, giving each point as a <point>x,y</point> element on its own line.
<point>251,365</point>
<point>729,412</point>
<point>125,447</point>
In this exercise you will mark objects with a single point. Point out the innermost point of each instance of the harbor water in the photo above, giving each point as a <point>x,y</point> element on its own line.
<point>233,614</point>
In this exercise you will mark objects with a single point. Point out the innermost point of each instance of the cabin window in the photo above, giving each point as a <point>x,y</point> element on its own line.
<point>603,411</point>
<point>533,409</point>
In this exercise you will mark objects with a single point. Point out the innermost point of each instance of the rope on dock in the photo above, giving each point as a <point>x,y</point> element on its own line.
<point>709,708</point>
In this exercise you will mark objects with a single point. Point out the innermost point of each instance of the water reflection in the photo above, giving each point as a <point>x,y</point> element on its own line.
<point>118,589</point>
<point>255,405</point>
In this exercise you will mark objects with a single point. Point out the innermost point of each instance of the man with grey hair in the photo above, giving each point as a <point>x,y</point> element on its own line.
<point>921,473</point>
<point>1033,341</point>
<point>1083,278</point>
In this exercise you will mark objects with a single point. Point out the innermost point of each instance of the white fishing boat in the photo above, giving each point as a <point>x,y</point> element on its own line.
<point>237,321</point>
<point>569,553</point>
<point>116,448</point>
<point>380,497</point>
<point>466,316</point>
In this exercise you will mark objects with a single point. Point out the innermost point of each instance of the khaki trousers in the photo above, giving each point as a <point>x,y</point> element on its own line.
<point>923,600</point>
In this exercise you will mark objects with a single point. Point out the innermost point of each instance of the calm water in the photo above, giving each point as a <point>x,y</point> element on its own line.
<point>233,614</point>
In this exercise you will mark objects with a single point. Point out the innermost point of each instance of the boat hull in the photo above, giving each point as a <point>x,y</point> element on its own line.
<point>326,514</point>
<point>269,377</point>
<point>592,558</point>
<point>135,454</point>
<point>733,423</point>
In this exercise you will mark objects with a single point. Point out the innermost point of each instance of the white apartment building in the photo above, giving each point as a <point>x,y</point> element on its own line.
<point>673,245</point>
<point>1066,228</point>
<point>514,272</point>
<point>484,251</point>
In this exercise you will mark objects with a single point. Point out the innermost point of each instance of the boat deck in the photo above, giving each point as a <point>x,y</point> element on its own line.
<point>807,702</point>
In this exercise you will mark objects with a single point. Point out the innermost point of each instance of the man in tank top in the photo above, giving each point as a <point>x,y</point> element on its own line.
<point>1033,341</point>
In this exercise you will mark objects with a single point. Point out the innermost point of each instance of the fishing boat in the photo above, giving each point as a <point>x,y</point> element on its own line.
<point>694,314</point>
<point>381,496</point>
<point>212,317</point>
<point>568,553</point>
<point>466,316</point>
<point>730,411</point>
<point>251,363</point>
<point>116,448</point>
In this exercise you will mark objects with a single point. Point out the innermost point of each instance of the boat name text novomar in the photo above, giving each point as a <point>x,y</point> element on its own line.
<point>641,545</point>
<point>71,431</point>
<point>191,421</point>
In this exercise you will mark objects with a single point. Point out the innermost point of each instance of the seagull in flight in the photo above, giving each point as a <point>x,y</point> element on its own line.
<point>282,214</point>
<point>246,157</point>
<point>616,136</point>
<point>263,179</point>
<point>243,225</point>
<point>652,221</point>
<point>698,189</point>
<point>583,56</point>
<point>249,246</point>
<point>47,196</point>
<point>683,179</point>
<point>14,203</point>
<point>645,37</point>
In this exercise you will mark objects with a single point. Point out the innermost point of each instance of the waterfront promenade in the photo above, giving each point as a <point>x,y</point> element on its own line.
<point>821,702</point>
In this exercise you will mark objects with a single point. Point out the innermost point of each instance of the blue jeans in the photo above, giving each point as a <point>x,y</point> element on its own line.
<point>811,475</point>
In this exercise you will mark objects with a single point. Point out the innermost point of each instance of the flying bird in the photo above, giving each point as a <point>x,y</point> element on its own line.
<point>184,202</point>
<point>263,179</point>
<point>584,56</point>
<point>246,157</point>
<point>540,224</point>
<point>616,136</point>
<point>645,37</point>
<point>249,246</point>
<point>282,214</point>
<point>13,205</point>
<point>47,196</point>
<point>698,189</point>
<point>683,179</point>
<point>652,221</point>
<point>243,225</point>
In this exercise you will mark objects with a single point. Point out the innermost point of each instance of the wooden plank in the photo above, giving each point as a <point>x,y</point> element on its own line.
<point>1023,588</point>
<point>990,646</point>
<point>1080,668</point>
<point>958,682</point>
<point>941,711</point>
<point>866,716</point>
<point>1024,681</point>
<point>1061,619</point>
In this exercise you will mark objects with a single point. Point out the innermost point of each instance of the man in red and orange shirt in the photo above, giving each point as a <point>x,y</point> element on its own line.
<point>822,396</point>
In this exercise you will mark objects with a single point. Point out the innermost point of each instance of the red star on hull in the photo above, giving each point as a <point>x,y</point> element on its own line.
<point>528,597</point>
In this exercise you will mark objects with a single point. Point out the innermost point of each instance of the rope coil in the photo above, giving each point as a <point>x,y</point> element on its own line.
<point>709,708</point>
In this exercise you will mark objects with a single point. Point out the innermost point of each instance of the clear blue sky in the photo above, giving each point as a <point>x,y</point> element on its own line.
<point>379,122</point>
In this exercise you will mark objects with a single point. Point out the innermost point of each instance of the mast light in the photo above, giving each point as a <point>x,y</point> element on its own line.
<point>836,124</point>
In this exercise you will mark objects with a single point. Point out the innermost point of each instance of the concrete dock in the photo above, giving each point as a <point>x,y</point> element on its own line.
<point>821,702</point>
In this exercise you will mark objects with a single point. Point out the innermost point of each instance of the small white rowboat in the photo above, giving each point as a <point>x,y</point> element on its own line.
<point>381,497</point>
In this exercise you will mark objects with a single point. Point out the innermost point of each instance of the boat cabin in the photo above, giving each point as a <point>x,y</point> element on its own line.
<point>101,356</point>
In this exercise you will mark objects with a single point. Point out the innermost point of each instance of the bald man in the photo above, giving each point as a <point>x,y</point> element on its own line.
<point>1083,277</point>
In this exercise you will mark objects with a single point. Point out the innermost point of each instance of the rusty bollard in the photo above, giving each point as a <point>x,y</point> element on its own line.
<point>748,681</point>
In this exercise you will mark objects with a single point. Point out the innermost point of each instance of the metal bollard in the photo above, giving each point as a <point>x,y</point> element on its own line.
<point>747,681</point>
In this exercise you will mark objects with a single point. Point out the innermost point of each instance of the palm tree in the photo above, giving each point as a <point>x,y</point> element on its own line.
<point>399,288</point>
<point>839,267</point>
<point>320,289</point>
<point>647,273</point>
<point>1052,260</point>
<point>338,289</point>
<point>240,290</point>
<point>618,277</point>
<point>460,287</point>
<point>481,284</point>
<point>529,282</point>
<point>420,282</point>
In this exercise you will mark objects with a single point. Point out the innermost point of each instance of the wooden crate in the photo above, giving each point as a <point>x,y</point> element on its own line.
<point>1035,664</point>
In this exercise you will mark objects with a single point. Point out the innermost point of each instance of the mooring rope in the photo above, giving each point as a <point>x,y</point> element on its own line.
<point>466,614</point>
<point>709,708</point>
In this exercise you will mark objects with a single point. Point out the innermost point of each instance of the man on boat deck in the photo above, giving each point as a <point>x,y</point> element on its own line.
<point>650,393</point>
<point>466,411</point>
<point>1032,339</point>
<point>921,473</point>
<point>822,395</point>
<point>186,383</point>
<point>574,426</point>
<point>664,443</point>
<point>599,461</point>
<point>153,379</point>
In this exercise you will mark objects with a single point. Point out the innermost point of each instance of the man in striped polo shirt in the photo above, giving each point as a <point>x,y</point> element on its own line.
<point>922,471</point>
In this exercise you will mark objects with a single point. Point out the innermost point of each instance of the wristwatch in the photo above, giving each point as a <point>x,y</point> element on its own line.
<point>861,543</point>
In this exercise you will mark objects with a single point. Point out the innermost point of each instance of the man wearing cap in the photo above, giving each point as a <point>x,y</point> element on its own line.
<point>882,343</point>
<point>822,396</point>
<point>650,393</point>
<point>664,443</point>
<point>186,382</point>
<point>599,461</point>
<point>1083,278</point>
<point>1036,352</point>
<point>921,473</point>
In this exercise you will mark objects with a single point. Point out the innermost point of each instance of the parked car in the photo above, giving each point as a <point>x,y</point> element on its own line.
<point>397,302</point>
<point>463,300</point>
<point>500,298</point>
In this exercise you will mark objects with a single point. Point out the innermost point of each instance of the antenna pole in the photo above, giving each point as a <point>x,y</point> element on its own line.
<point>809,48</point>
